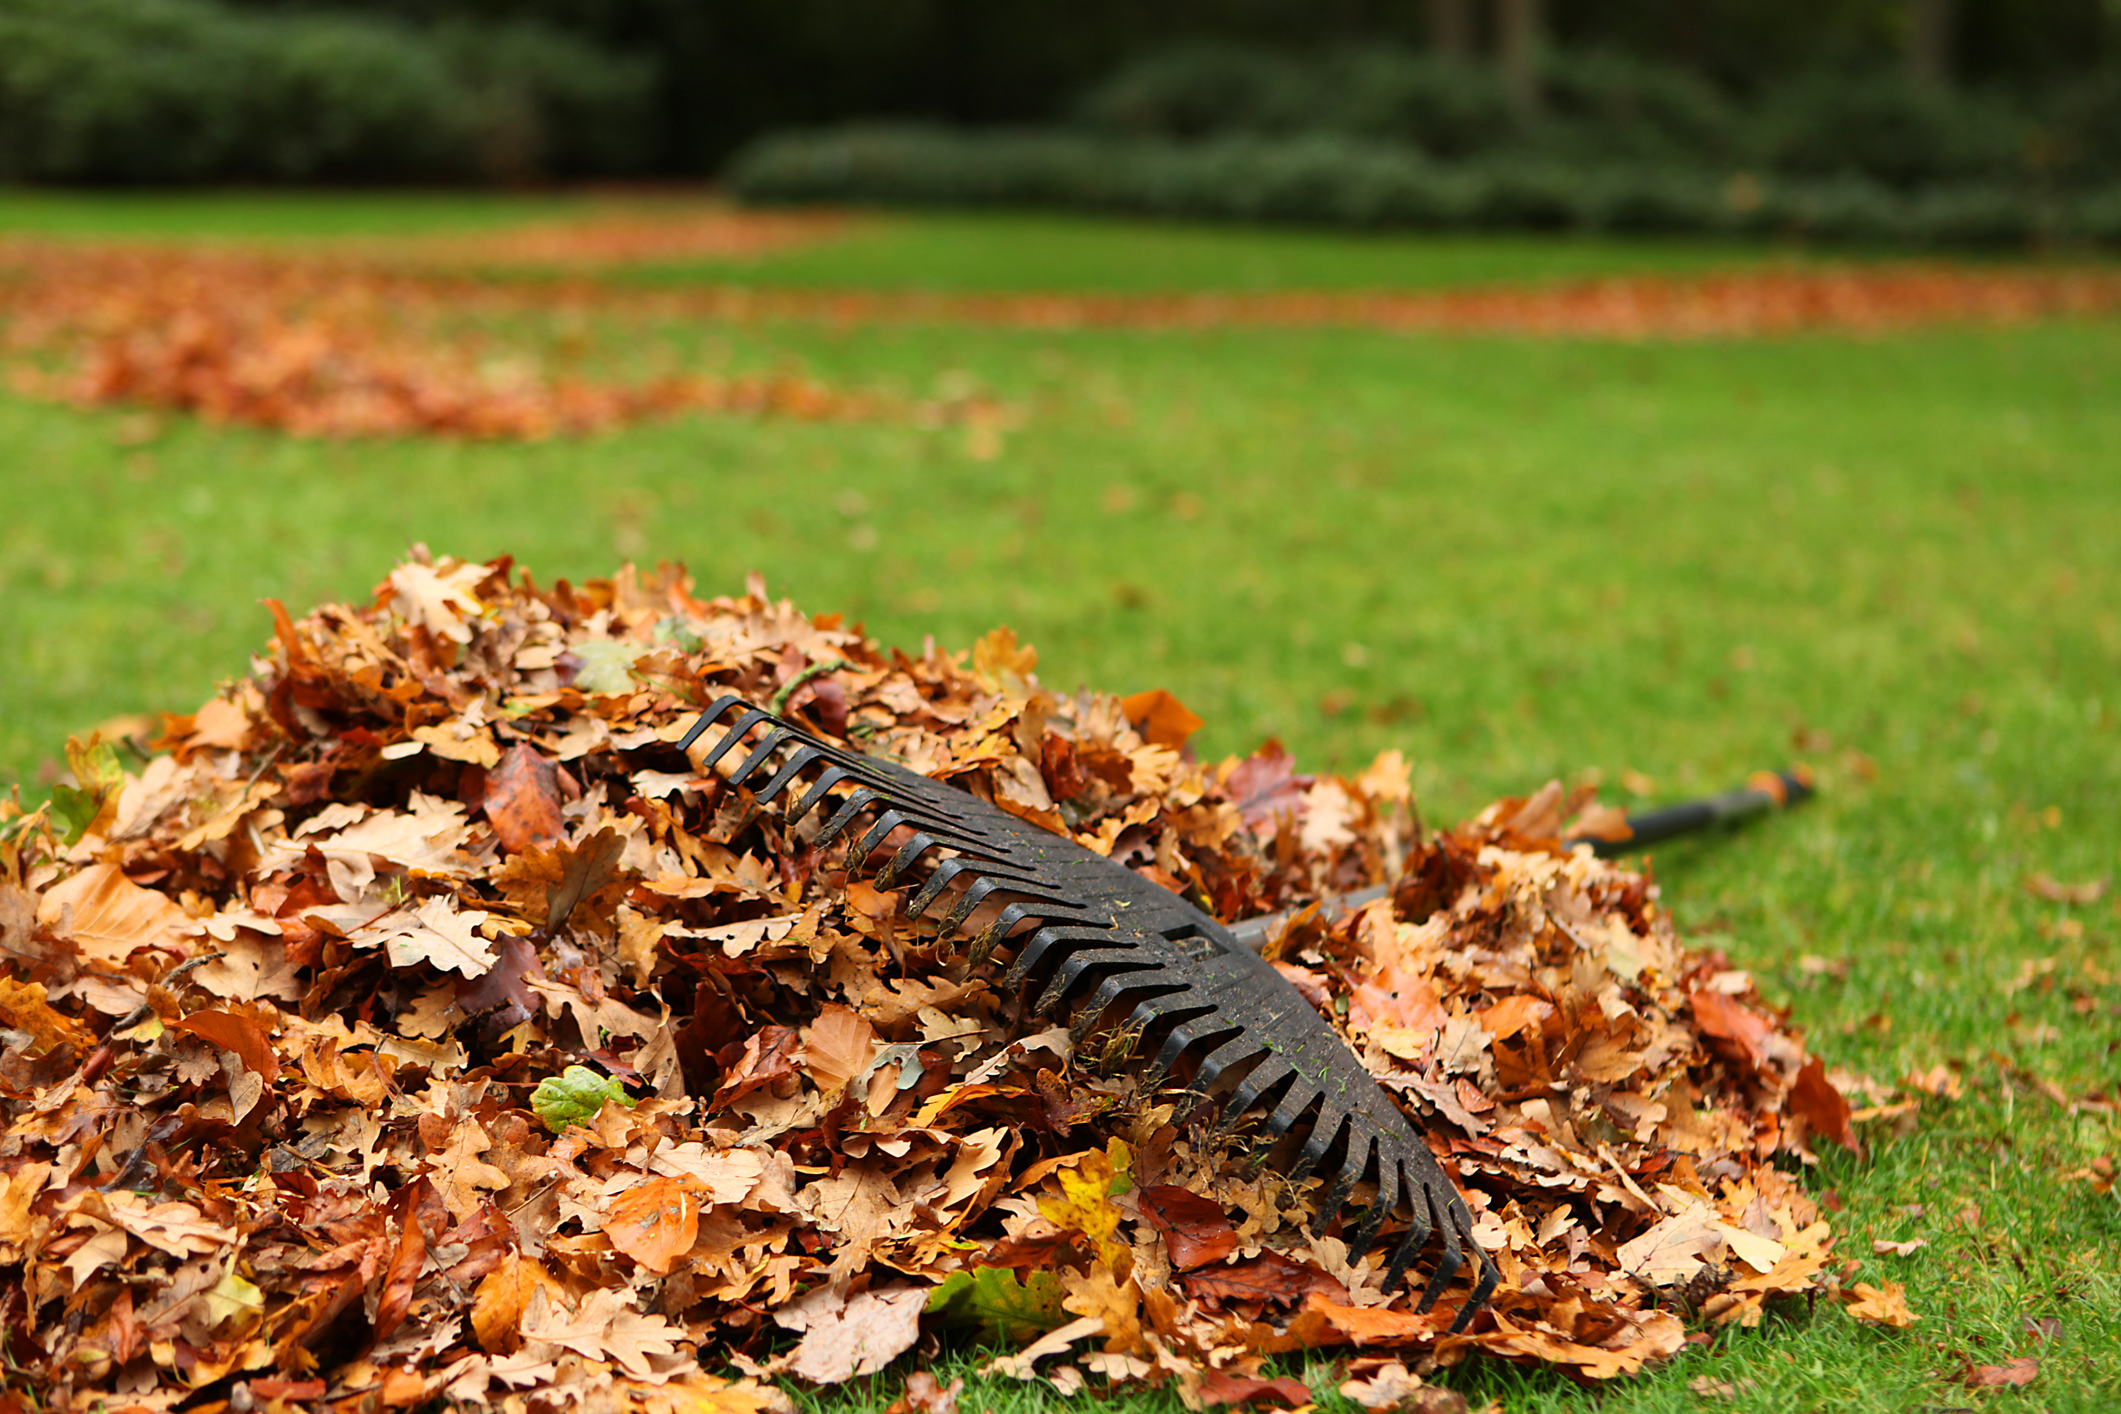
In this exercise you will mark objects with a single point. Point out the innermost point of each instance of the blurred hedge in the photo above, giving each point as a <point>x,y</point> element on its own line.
<point>1379,136</point>
<point>190,90</point>
<point>1357,183</point>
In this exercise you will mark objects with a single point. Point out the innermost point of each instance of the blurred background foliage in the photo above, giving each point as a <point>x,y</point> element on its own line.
<point>1955,120</point>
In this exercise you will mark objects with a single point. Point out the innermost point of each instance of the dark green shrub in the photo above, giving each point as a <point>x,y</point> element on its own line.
<point>1885,128</point>
<point>191,90</point>
<point>1326,180</point>
<point>1977,214</point>
<point>1444,108</point>
<point>2095,217</point>
<point>1657,199</point>
<point>1205,89</point>
<point>1613,107</point>
<point>542,103</point>
<point>333,96</point>
<point>2078,142</point>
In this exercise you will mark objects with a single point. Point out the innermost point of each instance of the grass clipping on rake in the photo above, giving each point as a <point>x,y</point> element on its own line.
<point>292,1008</point>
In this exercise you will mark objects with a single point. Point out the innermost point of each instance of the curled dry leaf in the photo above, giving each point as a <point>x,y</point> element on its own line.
<point>807,1114</point>
<point>2014,1374</point>
<point>1880,1306</point>
<point>926,1395</point>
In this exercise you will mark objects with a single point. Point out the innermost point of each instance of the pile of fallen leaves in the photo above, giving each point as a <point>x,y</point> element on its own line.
<point>322,345</point>
<point>416,1026</point>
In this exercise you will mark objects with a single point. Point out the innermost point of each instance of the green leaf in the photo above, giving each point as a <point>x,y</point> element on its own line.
<point>92,800</point>
<point>73,811</point>
<point>574,1096</point>
<point>607,664</point>
<point>1006,1310</point>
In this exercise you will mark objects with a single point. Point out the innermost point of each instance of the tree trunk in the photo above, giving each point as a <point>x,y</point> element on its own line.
<point>1929,42</point>
<point>1451,28</point>
<point>1521,40</point>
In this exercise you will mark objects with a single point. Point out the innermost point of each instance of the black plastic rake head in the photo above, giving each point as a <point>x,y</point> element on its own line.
<point>1111,948</point>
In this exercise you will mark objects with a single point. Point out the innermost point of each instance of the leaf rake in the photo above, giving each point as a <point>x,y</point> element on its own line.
<point>1093,938</point>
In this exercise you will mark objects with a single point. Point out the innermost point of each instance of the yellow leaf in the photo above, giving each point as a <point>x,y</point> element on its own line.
<point>231,1297</point>
<point>1085,1204</point>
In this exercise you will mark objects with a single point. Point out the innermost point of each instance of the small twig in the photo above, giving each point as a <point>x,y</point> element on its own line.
<point>802,679</point>
<point>141,1012</point>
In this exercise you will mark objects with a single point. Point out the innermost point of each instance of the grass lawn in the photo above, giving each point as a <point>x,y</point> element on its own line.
<point>1514,559</point>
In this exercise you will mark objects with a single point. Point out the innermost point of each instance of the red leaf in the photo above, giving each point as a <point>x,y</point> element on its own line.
<point>2017,1373</point>
<point>235,1033</point>
<point>768,1056</point>
<point>1265,785</point>
<point>1223,1387</point>
<point>1723,1018</point>
<point>1196,1229</point>
<point>407,1263</point>
<point>1267,1277</point>
<point>523,800</point>
<point>1814,1098</point>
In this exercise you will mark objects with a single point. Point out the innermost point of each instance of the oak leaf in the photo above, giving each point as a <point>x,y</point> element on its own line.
<point>848,1336</point>
<point>109,917</point>
<point>1880,1306</point>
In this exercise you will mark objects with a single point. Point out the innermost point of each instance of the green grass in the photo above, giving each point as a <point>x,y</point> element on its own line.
<point>983,252</point>
<point>942,251</point>
<point>1512,559</point>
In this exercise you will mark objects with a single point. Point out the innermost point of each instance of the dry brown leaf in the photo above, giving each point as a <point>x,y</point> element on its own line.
<point>2014,1374</point>
<point>859,1335</point>
<point>655,1221</point>
<point>109,917</point>
<point>1880,1306</point>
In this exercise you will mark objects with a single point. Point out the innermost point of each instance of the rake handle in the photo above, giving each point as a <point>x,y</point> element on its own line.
<point>1764,791</point>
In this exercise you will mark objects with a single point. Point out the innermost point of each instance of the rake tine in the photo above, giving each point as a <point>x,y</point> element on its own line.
<point>1226,1053</point>
<point>1111,990</point>
<point>976,895</point>
<point>735,734</point>
<point>1319,1142</point>
<point>1417,1234</point>
<point>1264,1077</point>
<point>797,759</point>
<point>1448,1264</point>
<point>938,880</point>
<point>999,929</point>
<point>860,799</point>
<point>819,790</point>
<point>1183,1038</point>
<point>708,718</point>
<point>1034,950</point>
<point>885,823</point>
<point>909,853</point>
<point>1387,1200</point>
<point>1483,1287</point>
<point>1336,1198</point>
<point>758,757</point>
<point>1068,976</point>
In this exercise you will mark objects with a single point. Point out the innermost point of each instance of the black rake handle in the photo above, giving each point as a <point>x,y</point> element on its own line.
<point>1763,792</point>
